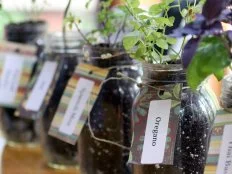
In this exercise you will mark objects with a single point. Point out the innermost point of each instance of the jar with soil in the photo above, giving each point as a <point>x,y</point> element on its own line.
<point>196,114</point>
<point>58,154</point>
<point>110,117</point>
<point>28,32</point>
<point>17,130</point>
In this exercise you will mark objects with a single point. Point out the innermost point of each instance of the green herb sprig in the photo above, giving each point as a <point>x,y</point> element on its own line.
<point>112,23</point>
<point>149,40</point>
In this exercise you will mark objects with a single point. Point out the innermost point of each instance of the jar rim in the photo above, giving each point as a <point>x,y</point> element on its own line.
<point>162,67</point>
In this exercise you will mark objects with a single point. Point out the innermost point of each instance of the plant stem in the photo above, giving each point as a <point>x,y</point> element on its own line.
<point>133,15</point>
<point>121,29</point>
<point>64,28</point>
<point>178,54</point>
<point>182,47</point>
<point>82,35</point>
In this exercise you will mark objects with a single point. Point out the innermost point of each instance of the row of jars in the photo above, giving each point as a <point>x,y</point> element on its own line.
<point>114,114</point>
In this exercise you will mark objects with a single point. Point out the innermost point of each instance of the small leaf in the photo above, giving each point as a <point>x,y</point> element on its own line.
<point>143,17</point>
<point>141,50</point>
<point>162,43</point>
<point>154,55</point>
<point>138,10</point>
<point>184,13</point>
<point>155,9</point>
<point>171,40</point>
<point>177,91</point>
<point>135,25</point>
<point>165,21</point>
<point>166,95</point>
<point>134,3</point>
<point>130,41</point>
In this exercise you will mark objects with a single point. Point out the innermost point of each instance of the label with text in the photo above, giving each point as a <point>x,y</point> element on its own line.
<point>41,86</point>
<point>225,157</point>
<point>77,101</point>
<point>76,105</point>
<point>10,77</point>
<point>156,132</point>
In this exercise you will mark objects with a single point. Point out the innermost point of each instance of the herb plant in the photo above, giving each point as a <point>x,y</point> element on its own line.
<point>209,49</point>
<point>149,40</point>
<point>111,24</point>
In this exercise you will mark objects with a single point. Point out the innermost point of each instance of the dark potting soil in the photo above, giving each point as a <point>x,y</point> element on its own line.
<point>194,132</point>
<point>110,120</point>
<point>25,32</point>
<point>16,129</point>
<point>57,151</point>
<point>195,123</point>
<point>192,138</point>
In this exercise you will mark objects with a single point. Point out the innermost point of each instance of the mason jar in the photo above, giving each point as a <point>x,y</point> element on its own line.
<point>196,114</point>
<point>66,49</point>
<point>110,117</point>
<point>20,131</point>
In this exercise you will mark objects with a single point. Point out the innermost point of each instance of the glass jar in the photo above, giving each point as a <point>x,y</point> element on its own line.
<point>59,154</point>
<point>17,130</point>
<point>196,117</point>
<point>110,117</point>
<point>27,32</point>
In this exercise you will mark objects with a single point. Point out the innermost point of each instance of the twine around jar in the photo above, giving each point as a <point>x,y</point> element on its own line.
<point>121,77</point>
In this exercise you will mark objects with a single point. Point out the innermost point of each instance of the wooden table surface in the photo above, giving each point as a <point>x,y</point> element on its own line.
<point>27,161</point>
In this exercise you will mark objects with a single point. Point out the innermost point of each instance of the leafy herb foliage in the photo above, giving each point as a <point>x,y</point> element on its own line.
<point>148,41</point>
<point>209,50</point>
<point>112,23</point>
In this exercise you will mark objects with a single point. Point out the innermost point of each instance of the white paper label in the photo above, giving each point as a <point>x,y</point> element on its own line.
<point>76,105</point>
<point>156,132</point>
<point>225,157</point>
<point>41,87</point>
<point>10,77</point>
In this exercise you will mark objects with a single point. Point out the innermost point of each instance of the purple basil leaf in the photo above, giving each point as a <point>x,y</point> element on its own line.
<point>213,8</point>
<point>213,29</point>
<point>187,30</point>
<point>194,28</point>
<point>189,51</point>
<point>226,16</point>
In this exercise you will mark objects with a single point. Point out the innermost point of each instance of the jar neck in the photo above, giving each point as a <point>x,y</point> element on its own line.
<point>70,43</point>
<point>226,92</point>
<point>104,56</point>
<point>163,74</point>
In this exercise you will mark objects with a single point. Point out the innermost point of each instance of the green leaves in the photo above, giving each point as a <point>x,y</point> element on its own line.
<point>141,50</point>
<point>171,40</point>
<point>150,29</point>
<point>177,91</point>
<point>133,3</point>
<point>211,58</point>
<point>155,9</point>
<point>129,42</point>
<point>162,43</point>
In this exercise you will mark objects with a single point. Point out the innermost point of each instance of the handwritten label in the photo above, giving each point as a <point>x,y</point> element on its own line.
<point>76,105</point>
<point>10,77</point>
<point>225,157</point>
<point>156,132</point>
<point>41,87</point>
